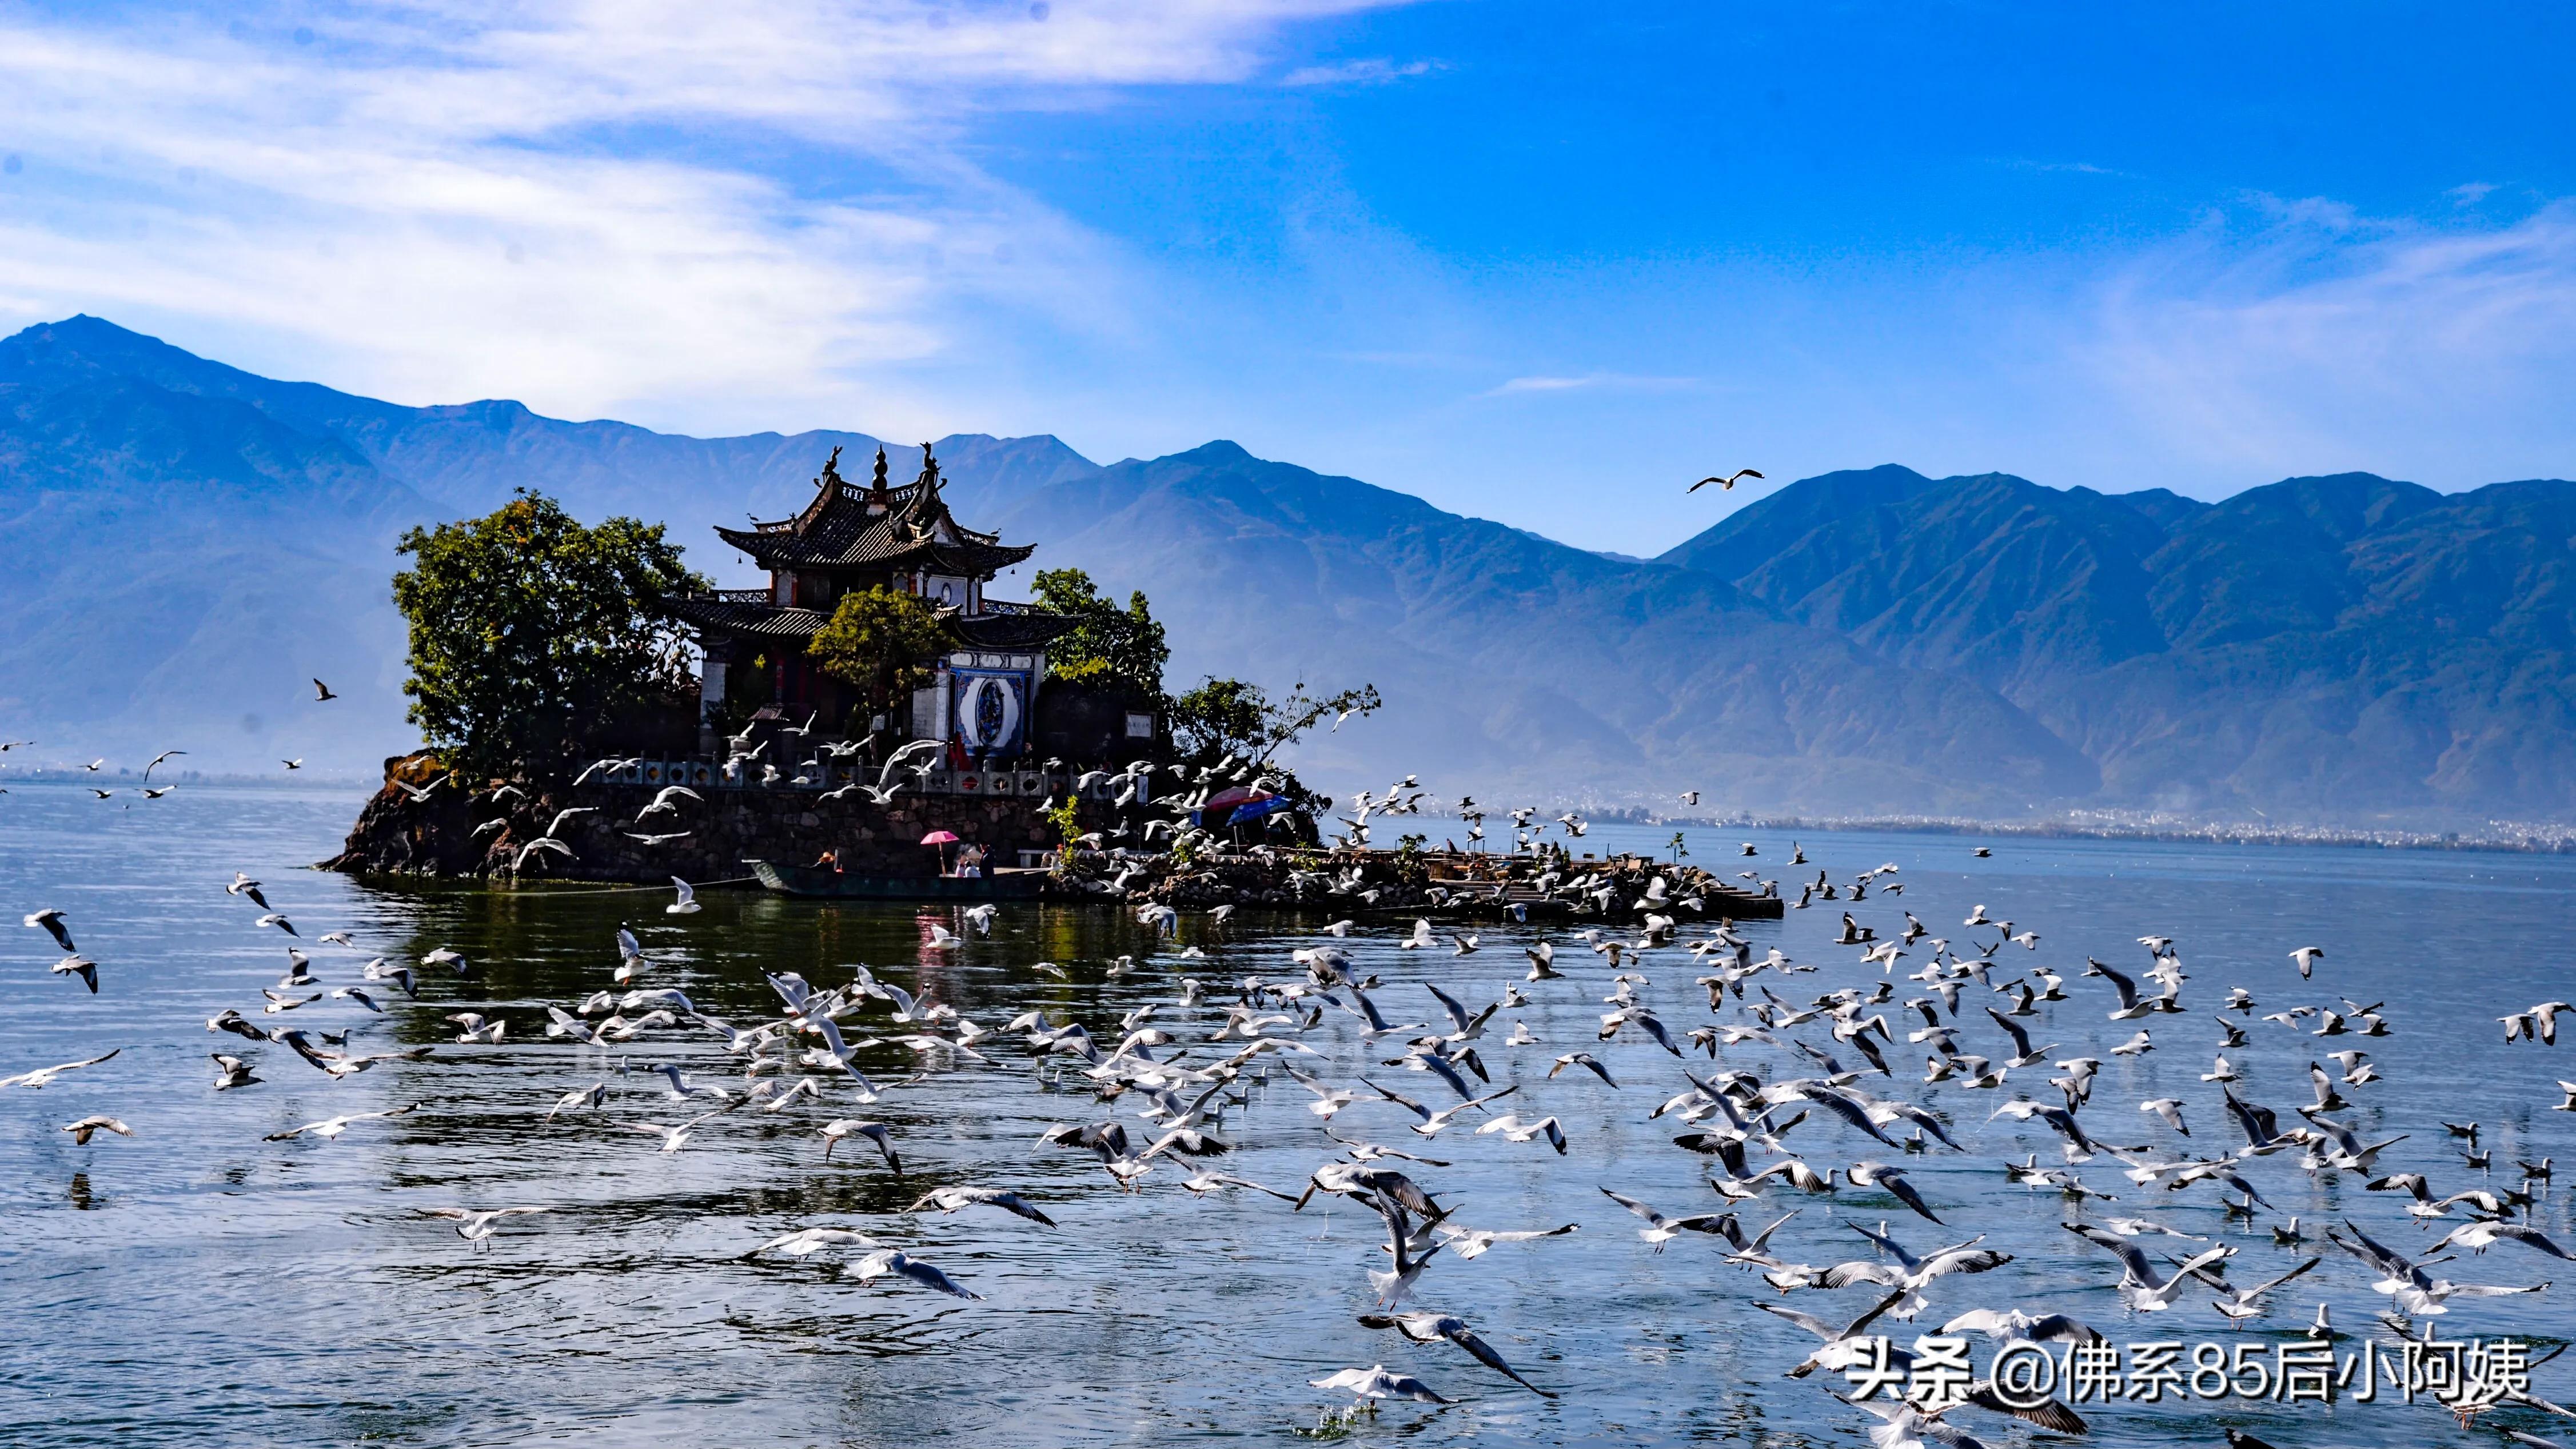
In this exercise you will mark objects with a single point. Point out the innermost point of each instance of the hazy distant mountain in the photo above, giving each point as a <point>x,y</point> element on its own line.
<point>1508,659</point>
<point>2320,646</point>
<point>200,540</point>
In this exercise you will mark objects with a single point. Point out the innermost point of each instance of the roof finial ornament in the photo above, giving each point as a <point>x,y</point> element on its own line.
<point>831,478</point>
<point>877,485</point>
<point>929,470</point>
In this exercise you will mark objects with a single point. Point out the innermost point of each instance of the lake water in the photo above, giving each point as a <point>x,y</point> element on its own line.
<point>198,1285</point>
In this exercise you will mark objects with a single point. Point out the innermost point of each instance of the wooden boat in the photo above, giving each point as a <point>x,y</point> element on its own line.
<point>826,883</point>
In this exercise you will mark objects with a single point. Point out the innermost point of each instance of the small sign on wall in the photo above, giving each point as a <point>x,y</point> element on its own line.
<point>1140,726</point>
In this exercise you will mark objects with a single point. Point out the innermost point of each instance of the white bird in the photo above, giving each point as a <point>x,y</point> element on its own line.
<point>475,1227</point>
<point>950,1199</point>
<point>807,1241</point>
<point>890,1261</point>
<point>673,1138</point>
<point>1516,1129</point>
<point>2307,957</point>
<point>2247,1302</point>
<point>591,1096</point>
<point>1435,1327</point>
<point>1471,1243</point>
<point>1660,1229</point>
<point>1375,1382</point>
<point>331,1127</point>
<point>875,1132</point>
<point>44,1076</point>
<point>50,921</point>
<point>83,1129</point>
<point>688,901</point>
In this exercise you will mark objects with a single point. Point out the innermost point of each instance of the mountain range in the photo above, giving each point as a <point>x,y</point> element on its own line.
<point>197,542</point>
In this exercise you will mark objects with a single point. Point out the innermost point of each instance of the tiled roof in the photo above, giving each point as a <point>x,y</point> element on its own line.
<point>848,524</point>
<point>841,540</point>
<point>1010,631</point>
<point>717,614</point>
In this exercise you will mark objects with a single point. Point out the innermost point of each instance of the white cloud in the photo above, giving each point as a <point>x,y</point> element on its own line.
<point>1375,71</point>
<point>2334,340</point>
<point>1590,381</point>
<point>441,202</point>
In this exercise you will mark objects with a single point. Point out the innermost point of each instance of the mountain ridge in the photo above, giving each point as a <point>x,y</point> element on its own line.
<point>1868,641</point>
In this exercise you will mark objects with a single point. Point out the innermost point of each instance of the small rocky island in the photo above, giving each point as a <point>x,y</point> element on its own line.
<point>410,827</point>
<point>872,723</point>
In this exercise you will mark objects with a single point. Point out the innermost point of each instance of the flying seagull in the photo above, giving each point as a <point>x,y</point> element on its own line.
<point>43,1076</point>
<point>1376,1383</point>
<point>950,1199</point>
<point>1433,1327</point>
<point>50,921</point>
<point>1725,483</point>
<point>330,1127</point>
<point>82,1129</point>
<point>322,692</point>
<point>475,1227</point>
<point>887,1261</point>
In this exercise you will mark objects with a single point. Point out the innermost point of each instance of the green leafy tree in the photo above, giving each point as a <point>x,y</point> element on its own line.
<point>882,640</point>
<point>1231,717</point>
<point>1107,644</point>
<point>530,633</point>
<point>1224,717</point>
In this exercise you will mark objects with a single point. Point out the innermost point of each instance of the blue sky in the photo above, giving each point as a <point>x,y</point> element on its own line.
<point>1542,263</point>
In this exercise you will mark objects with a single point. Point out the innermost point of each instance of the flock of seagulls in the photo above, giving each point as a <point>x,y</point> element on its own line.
<point>1827,1162</point>
<point>149,791</point>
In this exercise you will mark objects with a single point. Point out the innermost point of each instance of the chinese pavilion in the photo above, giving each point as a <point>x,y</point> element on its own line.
<point>854,538</point>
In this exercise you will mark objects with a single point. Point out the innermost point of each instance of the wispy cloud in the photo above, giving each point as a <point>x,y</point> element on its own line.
<point>2072,168</point>
<point>1590,381</point>
<point>448,200</point>
<point>2333,339</point>
<point>1375,71</point>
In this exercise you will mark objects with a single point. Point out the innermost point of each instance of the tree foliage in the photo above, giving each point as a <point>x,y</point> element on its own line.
<point>530,633</point>
<point>1224,717</point>
<point>1231,717</point>
<point>883,640</point>
<point>1107,644</point>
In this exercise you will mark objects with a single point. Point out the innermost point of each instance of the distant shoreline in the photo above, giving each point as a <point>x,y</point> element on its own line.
<point>2498,837</point>
<point>2538,839</point>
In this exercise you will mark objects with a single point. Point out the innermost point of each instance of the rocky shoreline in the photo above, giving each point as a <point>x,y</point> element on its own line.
<point>421,826</point>
<point>446,832</point>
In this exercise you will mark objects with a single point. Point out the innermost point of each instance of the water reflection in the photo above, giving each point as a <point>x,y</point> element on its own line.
<point>628,1314</point>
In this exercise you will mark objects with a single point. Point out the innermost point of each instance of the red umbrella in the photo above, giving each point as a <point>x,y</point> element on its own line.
<point>943,839</point>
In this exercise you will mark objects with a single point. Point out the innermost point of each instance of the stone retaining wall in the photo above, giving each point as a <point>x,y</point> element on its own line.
<point>437,836</point>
